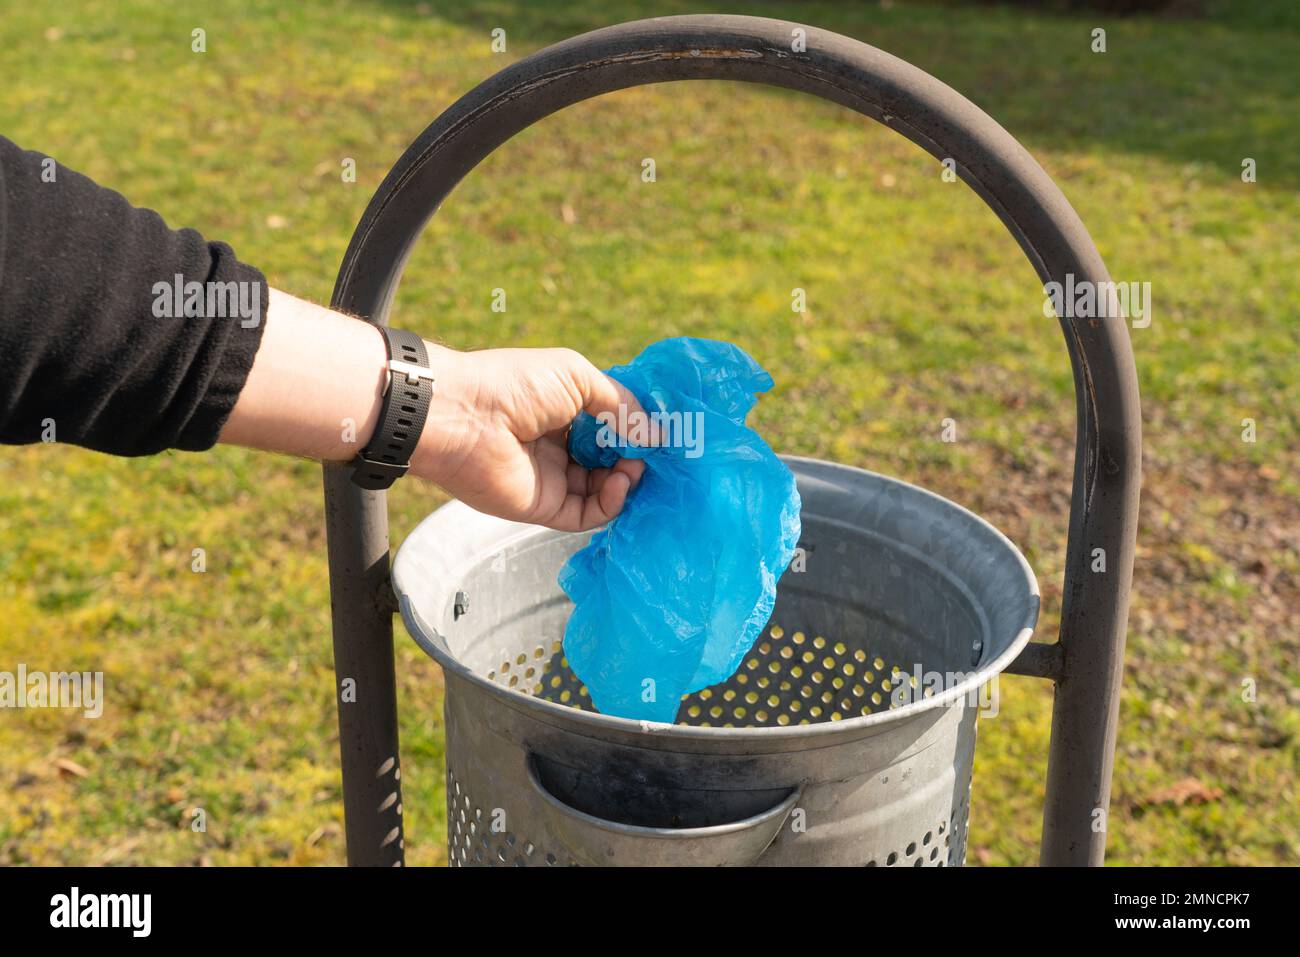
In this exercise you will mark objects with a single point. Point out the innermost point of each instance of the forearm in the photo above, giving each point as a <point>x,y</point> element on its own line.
<point>316,385</point>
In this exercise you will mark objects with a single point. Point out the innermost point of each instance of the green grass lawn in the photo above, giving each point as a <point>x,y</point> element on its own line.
<point>920,307</point>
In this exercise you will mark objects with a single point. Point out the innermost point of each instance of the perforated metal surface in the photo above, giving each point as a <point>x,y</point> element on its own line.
<point>942,846</point>
<point>477,835</point>
<point>788,678</point>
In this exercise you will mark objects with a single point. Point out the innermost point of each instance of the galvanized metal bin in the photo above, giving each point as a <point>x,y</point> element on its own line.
<point>810,754</point>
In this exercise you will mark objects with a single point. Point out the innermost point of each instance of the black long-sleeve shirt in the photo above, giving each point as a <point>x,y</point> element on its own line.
<point>102,330</point>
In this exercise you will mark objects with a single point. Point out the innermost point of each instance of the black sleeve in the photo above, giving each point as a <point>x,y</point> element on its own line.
<point>126,336</point>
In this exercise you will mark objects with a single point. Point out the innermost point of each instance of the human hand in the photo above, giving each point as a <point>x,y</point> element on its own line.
<point>497,433</point>
<point>497,429</point>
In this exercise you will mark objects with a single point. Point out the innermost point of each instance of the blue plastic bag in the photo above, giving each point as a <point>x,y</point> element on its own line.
<point>672,594</point>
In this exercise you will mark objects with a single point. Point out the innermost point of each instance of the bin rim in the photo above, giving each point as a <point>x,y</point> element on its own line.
<point>436,646</point>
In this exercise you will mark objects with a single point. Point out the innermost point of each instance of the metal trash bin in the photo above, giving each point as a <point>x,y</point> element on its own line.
<point>1085,664</point>
<point>846,737</point>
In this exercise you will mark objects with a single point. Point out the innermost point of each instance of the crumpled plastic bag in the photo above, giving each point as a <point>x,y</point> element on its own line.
<point>673,593</point>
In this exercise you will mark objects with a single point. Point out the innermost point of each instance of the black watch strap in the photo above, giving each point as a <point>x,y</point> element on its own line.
<point>401,420</point>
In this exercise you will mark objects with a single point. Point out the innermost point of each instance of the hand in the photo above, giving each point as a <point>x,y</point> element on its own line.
<point>497,433</point>
<point>497,427</point>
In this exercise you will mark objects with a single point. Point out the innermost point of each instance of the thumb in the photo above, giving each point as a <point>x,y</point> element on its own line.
<point>613,404</point>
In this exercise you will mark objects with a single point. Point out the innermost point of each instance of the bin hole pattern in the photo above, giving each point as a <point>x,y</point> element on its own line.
<point>942,846</point>
<point>787,678</point>
<point>472,842</point>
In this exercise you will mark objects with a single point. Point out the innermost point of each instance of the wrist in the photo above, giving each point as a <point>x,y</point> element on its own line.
<point>452,420</point>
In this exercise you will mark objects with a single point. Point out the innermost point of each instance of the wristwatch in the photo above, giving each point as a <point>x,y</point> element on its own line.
<point>407,395</point>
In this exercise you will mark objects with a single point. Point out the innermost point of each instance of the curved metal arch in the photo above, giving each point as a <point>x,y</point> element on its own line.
<point>1087,663</point>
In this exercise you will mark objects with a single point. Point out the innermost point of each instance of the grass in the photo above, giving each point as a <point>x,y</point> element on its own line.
<point>220,687</point>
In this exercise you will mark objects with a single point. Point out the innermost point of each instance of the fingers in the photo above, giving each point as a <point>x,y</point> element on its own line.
<point>594,498</point>
<point>614,404</point>
<point>579,479</point>
<point>632,468</point>
<point>608,500</point>
<point>568,497</point>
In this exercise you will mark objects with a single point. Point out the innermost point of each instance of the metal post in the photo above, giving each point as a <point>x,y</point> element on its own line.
<point>356,523</point>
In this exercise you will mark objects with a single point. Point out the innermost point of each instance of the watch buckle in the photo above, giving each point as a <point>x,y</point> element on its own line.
<point>373,475</point>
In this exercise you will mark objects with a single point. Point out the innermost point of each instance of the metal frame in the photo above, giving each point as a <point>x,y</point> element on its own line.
<point>1086,663</point>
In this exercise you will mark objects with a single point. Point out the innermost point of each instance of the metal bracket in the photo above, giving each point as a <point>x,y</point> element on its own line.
<point>1040,660</point>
